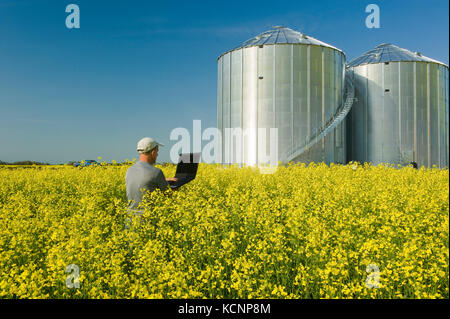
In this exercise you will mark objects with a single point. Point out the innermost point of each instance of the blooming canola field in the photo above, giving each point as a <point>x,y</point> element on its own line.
<point>317,231</point>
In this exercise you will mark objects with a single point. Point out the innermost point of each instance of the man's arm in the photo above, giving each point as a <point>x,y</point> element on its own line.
<point>161,181</point>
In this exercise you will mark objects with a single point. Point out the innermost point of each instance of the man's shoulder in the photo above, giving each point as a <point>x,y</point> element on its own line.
<point>144,166</point>
<point>157,170</point>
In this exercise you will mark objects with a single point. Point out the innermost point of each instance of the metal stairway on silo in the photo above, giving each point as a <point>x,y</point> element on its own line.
<point>330,125</point>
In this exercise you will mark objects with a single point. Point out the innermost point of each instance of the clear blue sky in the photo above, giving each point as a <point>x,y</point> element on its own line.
<point>142,68</point>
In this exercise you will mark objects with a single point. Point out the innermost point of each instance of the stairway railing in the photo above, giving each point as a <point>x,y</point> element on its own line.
<point>331,124</point>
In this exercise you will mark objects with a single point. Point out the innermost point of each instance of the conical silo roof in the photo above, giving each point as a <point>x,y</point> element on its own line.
<point>282,35</point>
<point>387,52</point>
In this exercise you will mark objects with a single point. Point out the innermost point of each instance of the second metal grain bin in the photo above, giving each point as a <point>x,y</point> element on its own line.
<point>401,113</point>
<point>286,80</point>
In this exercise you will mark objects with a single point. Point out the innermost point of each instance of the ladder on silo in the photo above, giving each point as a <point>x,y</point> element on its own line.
<point>330,125</point>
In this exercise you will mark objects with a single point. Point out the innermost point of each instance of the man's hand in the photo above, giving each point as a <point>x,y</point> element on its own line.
<point>172,180</point>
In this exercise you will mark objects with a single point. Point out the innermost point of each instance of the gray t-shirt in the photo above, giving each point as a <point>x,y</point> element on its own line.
<point>143,175</point>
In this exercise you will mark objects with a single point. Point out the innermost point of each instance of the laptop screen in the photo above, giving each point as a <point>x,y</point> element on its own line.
<point>188,164</point>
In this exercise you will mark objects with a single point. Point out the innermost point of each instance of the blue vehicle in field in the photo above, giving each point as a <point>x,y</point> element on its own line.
<point>86,163</point>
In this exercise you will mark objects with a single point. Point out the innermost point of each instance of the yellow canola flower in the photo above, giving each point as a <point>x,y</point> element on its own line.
<point>305,231</point>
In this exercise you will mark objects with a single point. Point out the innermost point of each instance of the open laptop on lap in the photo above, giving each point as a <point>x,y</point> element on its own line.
<point>186,169</point>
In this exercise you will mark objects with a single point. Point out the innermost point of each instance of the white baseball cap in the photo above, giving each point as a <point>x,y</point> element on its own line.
<point>147,144</point>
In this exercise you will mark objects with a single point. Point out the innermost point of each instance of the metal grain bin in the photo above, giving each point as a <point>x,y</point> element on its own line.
<point>281,79</point>
<point>401,113</point>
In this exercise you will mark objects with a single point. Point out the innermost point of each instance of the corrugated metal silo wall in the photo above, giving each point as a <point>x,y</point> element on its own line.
<point>401,114</point>
<point>295,88</point>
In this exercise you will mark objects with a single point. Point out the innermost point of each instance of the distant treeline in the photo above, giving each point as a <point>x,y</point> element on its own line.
<point>23,163</point>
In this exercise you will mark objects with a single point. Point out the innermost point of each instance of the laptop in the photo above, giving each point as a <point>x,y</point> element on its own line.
<point>186,169</point>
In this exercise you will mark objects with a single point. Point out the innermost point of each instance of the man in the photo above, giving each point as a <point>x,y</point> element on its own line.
<point>143,175</point>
